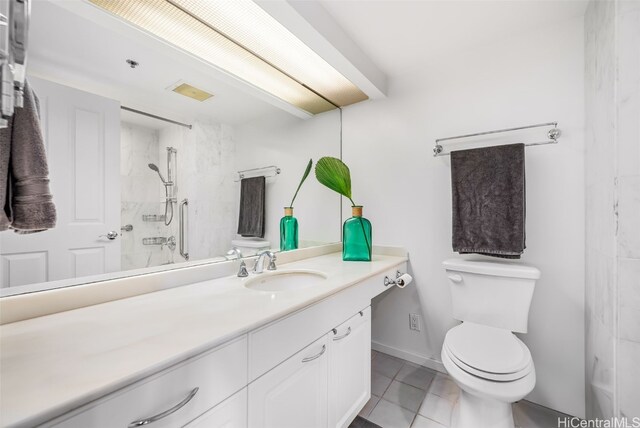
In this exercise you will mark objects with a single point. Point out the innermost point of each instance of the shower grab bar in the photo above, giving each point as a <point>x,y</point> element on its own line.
<point>184,228</point>
<point>552,136</point>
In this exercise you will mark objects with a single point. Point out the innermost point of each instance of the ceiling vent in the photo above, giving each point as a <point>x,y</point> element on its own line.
<point>192,92</point>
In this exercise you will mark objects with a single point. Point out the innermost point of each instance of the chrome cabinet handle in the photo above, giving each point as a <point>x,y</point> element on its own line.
<point>184,227</point>
<point>110,235</point>
<point>315,357</point>
<point>152,419</point>
<point>343,336</point>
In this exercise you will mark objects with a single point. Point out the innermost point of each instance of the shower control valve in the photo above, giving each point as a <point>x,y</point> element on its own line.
<point>171,243</point>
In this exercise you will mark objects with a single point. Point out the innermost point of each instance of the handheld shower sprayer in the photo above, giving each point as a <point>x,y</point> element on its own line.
<point>168,185</point>
<point>155,168</point>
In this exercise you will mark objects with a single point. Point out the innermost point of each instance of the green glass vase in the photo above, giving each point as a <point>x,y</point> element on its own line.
<point>288,231</point>
<point>356,237</point>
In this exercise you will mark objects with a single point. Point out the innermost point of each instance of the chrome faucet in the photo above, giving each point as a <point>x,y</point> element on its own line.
<point>259,266</point>
<point>242,272</point>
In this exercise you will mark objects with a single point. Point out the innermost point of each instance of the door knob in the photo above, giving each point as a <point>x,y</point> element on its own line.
<point>110,235</point>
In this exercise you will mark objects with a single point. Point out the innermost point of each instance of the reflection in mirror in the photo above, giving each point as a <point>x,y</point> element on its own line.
<point>138,193</point>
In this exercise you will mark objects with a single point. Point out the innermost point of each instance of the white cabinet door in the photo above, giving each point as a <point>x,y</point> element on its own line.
<point>231,413</point>
<point>294,394</point>
<point>349,368</point>
<point>82,138</point>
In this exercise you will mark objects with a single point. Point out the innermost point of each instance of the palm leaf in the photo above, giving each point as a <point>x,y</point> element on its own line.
<point>304,177</point>
<point>334,174</point>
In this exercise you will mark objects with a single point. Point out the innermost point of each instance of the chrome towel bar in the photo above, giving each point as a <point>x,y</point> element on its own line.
<point>552,136</point>
<point>271,170</point>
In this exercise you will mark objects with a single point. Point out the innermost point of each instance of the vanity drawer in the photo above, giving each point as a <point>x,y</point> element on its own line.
<point>217,374</point>
<point>276,342</point>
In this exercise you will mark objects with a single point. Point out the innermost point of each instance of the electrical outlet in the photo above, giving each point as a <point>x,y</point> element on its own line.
<point>414,322</point>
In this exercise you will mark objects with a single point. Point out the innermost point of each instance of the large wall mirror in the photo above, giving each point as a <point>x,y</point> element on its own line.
<point>136,193</point>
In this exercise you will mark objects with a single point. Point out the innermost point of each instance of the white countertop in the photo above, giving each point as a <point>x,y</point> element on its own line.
<point>55,363</point>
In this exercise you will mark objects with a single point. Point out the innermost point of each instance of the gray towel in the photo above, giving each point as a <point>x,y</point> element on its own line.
<point>24,184</point>
<point>252,193</point>
<point>488,189</point>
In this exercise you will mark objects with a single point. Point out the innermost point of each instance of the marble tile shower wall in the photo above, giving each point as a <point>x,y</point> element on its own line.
<point>217,196</point>
<point>612,96</point>
<point>141,191</point>
<point>206,170</point>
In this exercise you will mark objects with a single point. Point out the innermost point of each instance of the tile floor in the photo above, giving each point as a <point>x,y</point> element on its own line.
<point>406,395</point>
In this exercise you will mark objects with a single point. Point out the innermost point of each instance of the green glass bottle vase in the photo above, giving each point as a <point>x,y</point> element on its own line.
<point>356,237</point>
<point>288,231</point>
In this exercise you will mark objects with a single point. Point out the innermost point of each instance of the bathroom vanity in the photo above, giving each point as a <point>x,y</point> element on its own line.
<point>223,352</point>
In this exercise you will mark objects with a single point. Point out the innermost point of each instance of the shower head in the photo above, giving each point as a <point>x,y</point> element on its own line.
<point>155,168</point>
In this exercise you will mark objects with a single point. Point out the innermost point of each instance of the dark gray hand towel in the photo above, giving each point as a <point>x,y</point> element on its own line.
<point>24,184</point>
<point>488,189</point>
<point>252,194</point>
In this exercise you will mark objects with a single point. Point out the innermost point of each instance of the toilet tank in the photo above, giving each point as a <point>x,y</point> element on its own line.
<point>491,293</point>
<point>250,246</point>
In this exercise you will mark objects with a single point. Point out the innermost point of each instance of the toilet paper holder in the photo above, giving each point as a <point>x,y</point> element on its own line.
<point>398,281</point>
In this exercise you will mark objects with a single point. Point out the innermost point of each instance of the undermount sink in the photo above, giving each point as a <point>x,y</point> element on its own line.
<point>285,280</point>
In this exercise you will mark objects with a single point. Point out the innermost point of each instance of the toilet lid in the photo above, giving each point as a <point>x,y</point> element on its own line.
<point>488,352</point>
<point>251,243</point>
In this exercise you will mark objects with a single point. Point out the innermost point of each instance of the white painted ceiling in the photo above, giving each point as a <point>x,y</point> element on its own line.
<point>398,34</point>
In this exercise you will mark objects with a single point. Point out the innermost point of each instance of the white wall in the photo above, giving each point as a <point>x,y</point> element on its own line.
<point>289,143</point>
<point>532,78</point>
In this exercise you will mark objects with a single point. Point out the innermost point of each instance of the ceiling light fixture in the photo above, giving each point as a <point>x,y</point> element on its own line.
<point>242,39</point>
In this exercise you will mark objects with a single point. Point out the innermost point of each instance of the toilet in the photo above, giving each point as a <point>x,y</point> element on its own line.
<point>492,367</point>
<point>250,246</point>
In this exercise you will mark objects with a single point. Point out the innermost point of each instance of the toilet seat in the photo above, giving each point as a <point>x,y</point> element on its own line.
<point>496,377</point>
<point>487,352</point>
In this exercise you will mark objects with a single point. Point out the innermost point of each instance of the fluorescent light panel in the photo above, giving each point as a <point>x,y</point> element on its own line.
<point>240,38</point>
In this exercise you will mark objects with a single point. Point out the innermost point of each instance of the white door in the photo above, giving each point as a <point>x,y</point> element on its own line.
<point>231,413</point>
<point>82,135</point>
<point>294,394</point>
<point>349,369</point>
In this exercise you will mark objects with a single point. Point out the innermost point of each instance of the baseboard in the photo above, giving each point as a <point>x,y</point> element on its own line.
<point>428,362</point>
